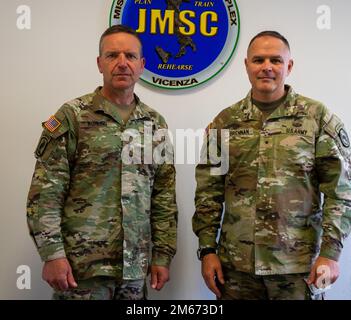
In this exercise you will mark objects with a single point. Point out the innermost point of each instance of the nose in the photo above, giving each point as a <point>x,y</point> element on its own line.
<point>267,66</point>
<point>121,60</point>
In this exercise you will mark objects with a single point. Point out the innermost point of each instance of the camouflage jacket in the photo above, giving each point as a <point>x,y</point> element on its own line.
<point>275,220</point>
<point>88,205</point>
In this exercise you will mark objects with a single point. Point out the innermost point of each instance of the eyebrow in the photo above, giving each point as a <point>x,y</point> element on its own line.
<point>267,56</point>
<point>117,51</point>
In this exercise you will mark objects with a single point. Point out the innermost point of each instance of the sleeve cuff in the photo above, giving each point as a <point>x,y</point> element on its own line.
<point>332,253</point>
<point>52,252</point>
<point>161,259</point>
<point>207,241</point>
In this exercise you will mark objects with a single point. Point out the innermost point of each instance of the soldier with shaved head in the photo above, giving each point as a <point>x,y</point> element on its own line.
<point>283,208</point>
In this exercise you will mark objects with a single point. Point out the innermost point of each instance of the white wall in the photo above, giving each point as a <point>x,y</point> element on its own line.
<point>55,61</point>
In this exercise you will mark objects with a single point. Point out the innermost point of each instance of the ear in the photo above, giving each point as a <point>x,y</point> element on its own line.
<point>290,65</point>
<point>98,62</point>
<point>142,61</point>
<point>246,63</point>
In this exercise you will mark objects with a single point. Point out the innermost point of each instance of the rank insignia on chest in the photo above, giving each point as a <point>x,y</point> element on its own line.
<point>52,124</point>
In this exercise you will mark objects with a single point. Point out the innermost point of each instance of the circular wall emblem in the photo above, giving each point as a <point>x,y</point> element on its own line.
<point>186,42</point>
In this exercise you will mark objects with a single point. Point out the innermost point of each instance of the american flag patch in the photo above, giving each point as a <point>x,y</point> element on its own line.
<point>52,124</point>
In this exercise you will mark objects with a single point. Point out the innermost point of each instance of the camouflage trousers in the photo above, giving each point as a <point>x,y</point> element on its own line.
<point>246,286</point>
<point>105,288</point>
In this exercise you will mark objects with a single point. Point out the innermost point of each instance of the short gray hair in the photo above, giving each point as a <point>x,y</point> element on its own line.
<point>120,28</point>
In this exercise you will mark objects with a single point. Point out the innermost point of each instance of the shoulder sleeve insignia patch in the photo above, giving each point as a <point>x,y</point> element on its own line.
<point>52,124</point>
<point>43,142</point>
<point>344,138</point>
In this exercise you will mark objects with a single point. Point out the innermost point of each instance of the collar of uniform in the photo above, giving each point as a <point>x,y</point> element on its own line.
<point>100,103</point>
<point>140,112</point>
<point>289,107</point>
<point>248,110</point>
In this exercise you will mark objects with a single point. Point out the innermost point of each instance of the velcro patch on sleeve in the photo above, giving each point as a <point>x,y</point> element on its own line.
<point>43,142</point>
<point>52,124</point>
<point>344,138</point>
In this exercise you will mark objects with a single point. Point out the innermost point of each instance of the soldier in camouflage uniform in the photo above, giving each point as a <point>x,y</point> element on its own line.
<point>98,203</point>
<point>279,238</point>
